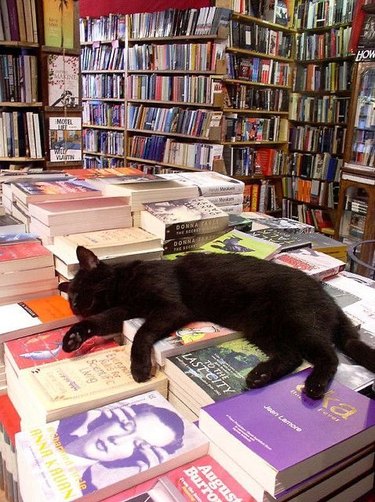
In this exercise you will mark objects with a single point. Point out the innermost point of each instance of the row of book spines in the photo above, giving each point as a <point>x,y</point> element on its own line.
<point>316,192</point>
<point>257,70</point>
<point>102,58</point>
<point>18,21</point>
<point>109,86</point>
<point>104,28</point>
<point>319,109</point>
<point>242,128</point>
<point>318,218</point>
<point>260,39</point>
<point>92,162</point>
<point>246,97</point>
<point>333,43</point>
<point>106,142</point>
<point>20,135</point>
<point>323,13</point>
<point>169,151</point>
<point>177,57</point>
<point>318,138</point>
<point>247,161</point>
<point>317,166</point>
<point>104,114</point>
<point>331,76</point>
<point>18,78</point>
<point>177,22</point>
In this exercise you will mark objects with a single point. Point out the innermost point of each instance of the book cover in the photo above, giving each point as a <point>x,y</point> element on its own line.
<point>209,183</point>
<point>43,348</point>
<point>105,450</point>
<point>201,480</point>
<point>68,386</point>
<point>24,256</point>
<point>189,243</point>
<point>242,243</point>
<point>65,139</point>
<point>270,429</point>
<point>59,23</point>
<point>13,238</point>
<point>318,265</point>
<point>287,240</point>
<point>183,217</point>
<point>110,242</point>
<point>9,224</point>
<point>216,372</point>
<point>284,224</point>
<point>190,337</point>
<point>63,80</point>
<point>34,316</point>
<point>131,173</point>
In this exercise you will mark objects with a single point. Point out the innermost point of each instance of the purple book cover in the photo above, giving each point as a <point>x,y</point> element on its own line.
<point>284,427</point>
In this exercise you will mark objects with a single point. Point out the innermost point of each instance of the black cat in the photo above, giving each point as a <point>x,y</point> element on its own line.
<point>283,311</point>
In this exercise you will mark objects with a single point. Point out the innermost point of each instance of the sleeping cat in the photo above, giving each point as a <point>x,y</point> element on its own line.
<point>283,311</point>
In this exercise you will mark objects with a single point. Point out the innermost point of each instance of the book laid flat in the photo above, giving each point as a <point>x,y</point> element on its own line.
<point>34,316</point>
<point>9,224</point>
<point>61,388</point>
<point>153,191</point>
<point>269,431</point>
<point>131,173</point>
<point>318,265</point>
<point>182,217</point>
<point>193,336</point>
<point>39,190</point>
<point>24,256</point>
<point>111,242</point>
<point>209,183</point>
<point>143,436</point>
<point>189,243</point>
<point>285,224</point>
<point>288,240</point>
<point>203,479</point>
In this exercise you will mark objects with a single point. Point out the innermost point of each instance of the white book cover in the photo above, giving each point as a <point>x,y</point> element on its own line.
<point>65,139</point>
<point>63,80</point>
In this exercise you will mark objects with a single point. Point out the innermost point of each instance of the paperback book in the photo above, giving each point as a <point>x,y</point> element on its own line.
<point>63,80</point>
<point>65,139</point>
<point>152,439</point>
<point>9,224</point>
<point>285,224</point>
<point>59,23</point>
<point>209,183</point>
<point>270,429</point>
<point>24,256</point>
<point>287,240</point>
<point>193,336</point>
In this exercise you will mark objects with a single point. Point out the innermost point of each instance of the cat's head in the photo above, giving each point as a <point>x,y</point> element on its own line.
<point>90,291</point>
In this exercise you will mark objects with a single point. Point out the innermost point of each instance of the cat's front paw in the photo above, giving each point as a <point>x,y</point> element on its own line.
<point>315,387</point>
<point>258,377</point>
<point>76,335</point>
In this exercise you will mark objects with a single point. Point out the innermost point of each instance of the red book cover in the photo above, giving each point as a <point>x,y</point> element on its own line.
<point>24,255</point>
<point>9,417</point>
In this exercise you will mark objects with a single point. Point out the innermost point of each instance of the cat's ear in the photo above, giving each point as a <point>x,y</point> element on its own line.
<point>87,259</point>
<point>63,286</point>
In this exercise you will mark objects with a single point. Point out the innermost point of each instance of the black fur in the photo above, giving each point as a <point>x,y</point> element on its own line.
<point>283,311</point>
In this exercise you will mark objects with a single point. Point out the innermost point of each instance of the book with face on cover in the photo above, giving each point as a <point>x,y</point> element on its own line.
<point>193,336</point>
<point>61,388</point>
<point>34,315</point>
<point>106,449</point>
<point>201,480</point>
<point>182,217</point>
<point>269,431</point>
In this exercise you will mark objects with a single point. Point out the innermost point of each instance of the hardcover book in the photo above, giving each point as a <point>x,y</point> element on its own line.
<point>105,243</point>
<point>193,336</point>
<point>209,183</point>
<point>59,23</point>
<point>201,480</point>
<point>65,139</point>
<point>69,386</point>
<point>318,265</point>
<point>106,450</point>
<point>270,429</point>
<point>63,80</point>
<point>182,217</point>
<point>24,256</point>
<point>34,316</point>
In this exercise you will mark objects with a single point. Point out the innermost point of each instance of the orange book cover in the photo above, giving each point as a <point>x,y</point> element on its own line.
<point>58,23</point>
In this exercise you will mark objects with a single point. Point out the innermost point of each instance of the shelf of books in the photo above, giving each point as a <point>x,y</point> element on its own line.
<point>256,99</point>
<point>319,108</point>
<point>36,82</point>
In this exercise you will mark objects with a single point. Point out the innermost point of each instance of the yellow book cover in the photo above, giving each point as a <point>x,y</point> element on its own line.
<point>64,387</point>
<point>58,23</point>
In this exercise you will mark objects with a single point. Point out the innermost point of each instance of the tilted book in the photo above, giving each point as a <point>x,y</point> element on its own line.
<point>61,388</point>
<point>281,437</point>
<point>96,454</point>
<point>182,217</point>
<point>209,183</point>
<point>318,265</point>
<point>110,242</point>
<point>34,316</point>
<point>203,479</point>
<point>24,256</point>
<point>193,336</point>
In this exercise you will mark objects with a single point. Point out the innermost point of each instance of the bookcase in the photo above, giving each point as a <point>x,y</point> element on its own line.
<point>40,112</point>
<point>319,108</point>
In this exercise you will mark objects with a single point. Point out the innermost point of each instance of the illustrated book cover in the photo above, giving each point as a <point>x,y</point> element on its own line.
<point>193,336</point>
<point>106,450</point>
<point>63,80</point>
<point>271,428</point>
<point>287,240</point>
<point>182,217</point>
<point>65,139</point>
<point>59,23</point>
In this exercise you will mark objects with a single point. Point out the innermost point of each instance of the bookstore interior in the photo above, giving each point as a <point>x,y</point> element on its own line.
<point>138,132</point>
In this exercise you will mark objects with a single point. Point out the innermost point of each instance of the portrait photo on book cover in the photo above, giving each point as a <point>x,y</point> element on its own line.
<point>117,442</point>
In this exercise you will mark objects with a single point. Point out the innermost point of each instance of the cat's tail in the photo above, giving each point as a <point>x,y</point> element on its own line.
<point>347,339</point>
